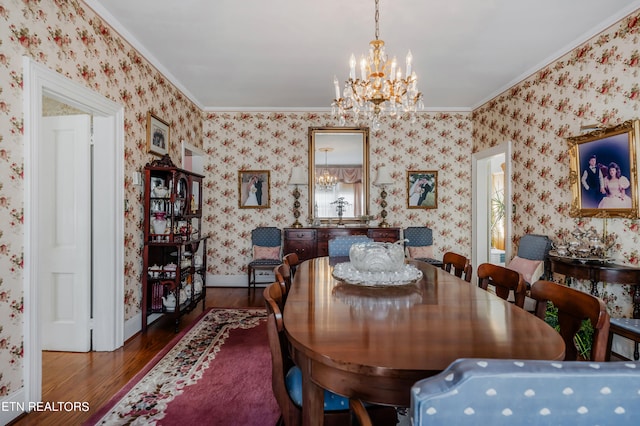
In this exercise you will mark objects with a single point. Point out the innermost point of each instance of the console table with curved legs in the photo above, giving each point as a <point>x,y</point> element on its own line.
<point>600,272</point>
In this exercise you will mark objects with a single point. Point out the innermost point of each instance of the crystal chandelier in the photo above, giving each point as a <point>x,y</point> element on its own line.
<point>380,88</point>
<point>326,181</point>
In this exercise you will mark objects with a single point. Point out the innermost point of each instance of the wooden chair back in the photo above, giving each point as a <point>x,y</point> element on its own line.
<point>460,264</point>
<point>293,261</point>
<point>574,306</point>
<point>504,280</point>
<point>282,273</point>
<point>280,360</point>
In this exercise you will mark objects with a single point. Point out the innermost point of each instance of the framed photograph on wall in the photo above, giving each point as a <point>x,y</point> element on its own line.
<point>603,172</point>
<point>253,189</point>
<point>158,135</point>
<point>422,189</point>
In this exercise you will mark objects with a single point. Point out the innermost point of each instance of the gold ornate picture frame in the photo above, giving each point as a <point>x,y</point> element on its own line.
<point>603,172</point>
<point>253,189</point>
<point>158,135</point>
<point>422,189</point>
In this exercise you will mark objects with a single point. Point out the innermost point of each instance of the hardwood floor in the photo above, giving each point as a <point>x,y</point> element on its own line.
<point>95,377</point>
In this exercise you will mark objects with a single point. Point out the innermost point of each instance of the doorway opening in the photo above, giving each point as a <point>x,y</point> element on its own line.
<point>106,238</point>
<point>492,205</point>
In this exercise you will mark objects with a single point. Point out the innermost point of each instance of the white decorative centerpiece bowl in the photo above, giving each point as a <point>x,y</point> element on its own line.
<point>377,265</point>
<point>377,257</point>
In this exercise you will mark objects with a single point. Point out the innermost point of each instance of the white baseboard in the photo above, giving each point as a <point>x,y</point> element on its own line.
<point>133,325</point>
<point>11,406</point>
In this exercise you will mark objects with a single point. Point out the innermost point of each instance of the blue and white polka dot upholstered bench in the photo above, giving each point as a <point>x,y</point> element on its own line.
<point>513,392</point>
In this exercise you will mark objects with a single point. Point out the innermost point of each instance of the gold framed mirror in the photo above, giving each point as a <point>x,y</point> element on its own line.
<point>338,174</point>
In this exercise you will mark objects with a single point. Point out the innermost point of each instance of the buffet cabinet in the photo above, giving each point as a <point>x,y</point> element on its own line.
<point>174,255</point>
<point>308,243</point>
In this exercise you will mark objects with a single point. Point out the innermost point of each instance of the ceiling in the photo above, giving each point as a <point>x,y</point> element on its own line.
<point>282,55</point>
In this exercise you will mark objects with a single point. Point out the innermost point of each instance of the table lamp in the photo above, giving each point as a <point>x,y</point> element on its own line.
<point>383,178</point>
<point>299,176</point>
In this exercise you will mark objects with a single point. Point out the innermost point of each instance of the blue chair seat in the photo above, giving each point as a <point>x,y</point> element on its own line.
<point>332,401</point>
<point>265,262</point>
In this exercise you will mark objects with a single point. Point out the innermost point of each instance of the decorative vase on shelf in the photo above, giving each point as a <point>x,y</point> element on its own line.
<point>159,223</point>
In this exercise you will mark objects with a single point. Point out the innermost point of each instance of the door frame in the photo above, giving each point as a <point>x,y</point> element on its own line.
<point>481,185</point>
<point>108,181</point>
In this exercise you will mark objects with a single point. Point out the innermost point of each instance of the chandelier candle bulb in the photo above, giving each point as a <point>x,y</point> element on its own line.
<point>409,59</point>
<point>337,85</point>
<point>352,67</point>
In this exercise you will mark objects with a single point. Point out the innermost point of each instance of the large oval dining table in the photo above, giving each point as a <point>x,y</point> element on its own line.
<point>374,343</point>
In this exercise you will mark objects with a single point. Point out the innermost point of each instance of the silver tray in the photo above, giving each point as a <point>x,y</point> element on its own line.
<point>590,259</point>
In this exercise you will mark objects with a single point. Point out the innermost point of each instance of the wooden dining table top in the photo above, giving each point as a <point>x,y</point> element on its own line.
<point>401,334</point>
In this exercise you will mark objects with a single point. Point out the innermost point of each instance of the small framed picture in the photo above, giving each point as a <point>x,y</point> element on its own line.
<point>603,172</point>
<point>422,189</point>
<point>253,189</point>
<point>158,135</point>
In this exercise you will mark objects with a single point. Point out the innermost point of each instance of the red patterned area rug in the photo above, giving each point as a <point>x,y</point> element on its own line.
<point>217,373</point>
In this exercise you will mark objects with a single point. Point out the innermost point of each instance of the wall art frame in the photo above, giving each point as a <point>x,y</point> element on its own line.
<point>254,191</point>
<point>422,189</point>
<point>603,172</point>
<point>158,135</point>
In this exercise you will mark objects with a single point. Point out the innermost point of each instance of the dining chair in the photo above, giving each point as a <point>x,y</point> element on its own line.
<point>293,261</point>
<point>340,246</point>
<point>625,327</point>
<point>266,244</point>
<point>574,306</point>
<point>418,242</point>
<point>459,264</point>
<point>504,281</point>
<point>282,273</point>
<point>531,260</point>
<point>286,377</point>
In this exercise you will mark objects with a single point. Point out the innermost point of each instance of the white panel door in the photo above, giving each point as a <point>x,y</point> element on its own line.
<point>64,233</point>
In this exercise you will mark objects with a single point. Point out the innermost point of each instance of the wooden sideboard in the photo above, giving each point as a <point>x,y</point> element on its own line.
<point>601,272</point>
<point>308,243</point>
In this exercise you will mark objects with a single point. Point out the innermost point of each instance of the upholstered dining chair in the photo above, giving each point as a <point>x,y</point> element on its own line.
<point>504,280</point>
<point>625,327</point>
<point>419,244</point>
<point>340,246</point>
<point>628,328</point>
<point>574,306</point>
<point>286,377</point>
<point>458,265</point>
<point>266,243</point>
<point>531,259</point>
<point>292,260</point>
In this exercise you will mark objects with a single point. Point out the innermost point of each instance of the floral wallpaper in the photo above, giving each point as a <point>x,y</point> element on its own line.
<point>279,141</point>
<point>69,38</point>
<point>596,83</point>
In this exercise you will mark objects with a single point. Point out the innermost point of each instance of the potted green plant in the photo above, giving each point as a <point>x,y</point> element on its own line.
<point>584,336</point>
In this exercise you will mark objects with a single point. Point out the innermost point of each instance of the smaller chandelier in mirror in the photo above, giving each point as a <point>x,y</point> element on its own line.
<point>325,181</point>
